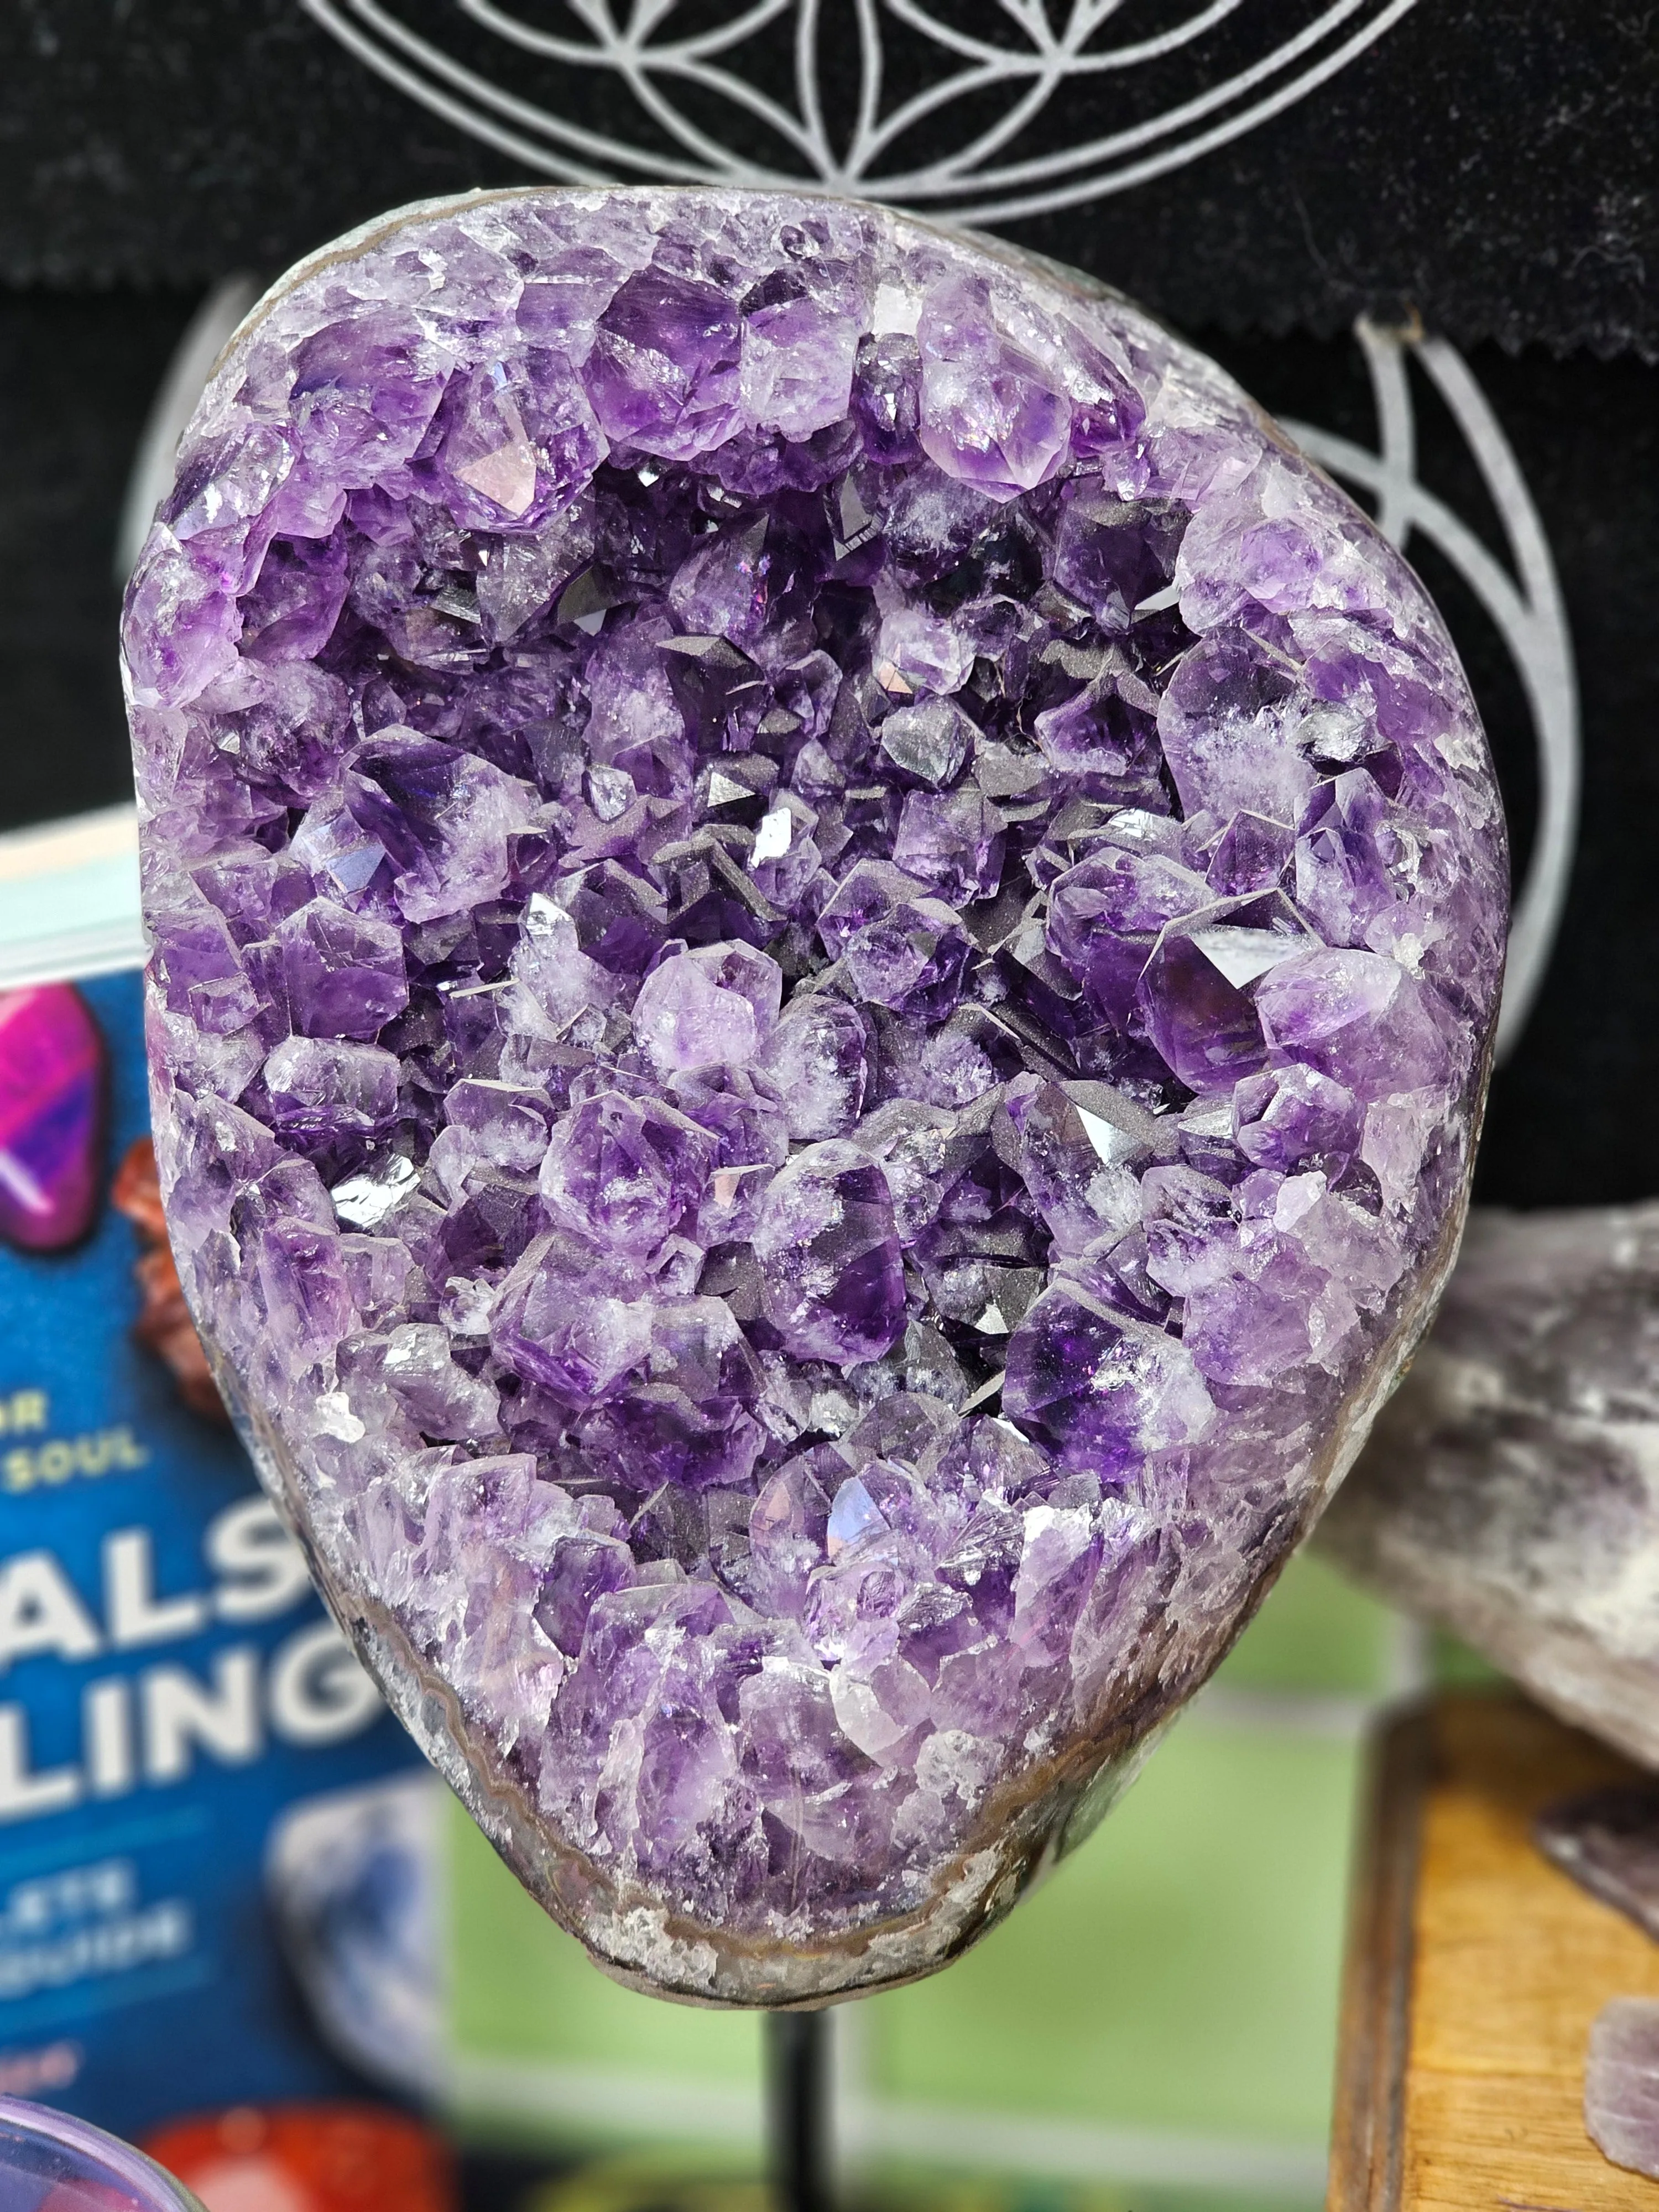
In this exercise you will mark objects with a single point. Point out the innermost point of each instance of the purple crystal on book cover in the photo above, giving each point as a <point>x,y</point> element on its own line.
<point>825,936</point>
<point>53,1080</point>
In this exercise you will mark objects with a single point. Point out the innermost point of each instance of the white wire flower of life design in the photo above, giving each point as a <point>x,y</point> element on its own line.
<point>980,110</point>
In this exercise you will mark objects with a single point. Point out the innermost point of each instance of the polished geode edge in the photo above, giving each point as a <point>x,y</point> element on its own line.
<point>1024,1829</point>
<point>1020,1835</point>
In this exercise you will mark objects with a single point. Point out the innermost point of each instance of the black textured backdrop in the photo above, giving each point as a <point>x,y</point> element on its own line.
<point>1490,164</point>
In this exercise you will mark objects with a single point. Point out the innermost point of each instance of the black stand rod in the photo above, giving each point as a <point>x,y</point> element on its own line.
<point>798,2109</point>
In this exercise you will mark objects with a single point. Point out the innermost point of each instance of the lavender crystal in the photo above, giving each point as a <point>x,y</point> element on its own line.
<point>1621,2084</point>
<point>824,944</point>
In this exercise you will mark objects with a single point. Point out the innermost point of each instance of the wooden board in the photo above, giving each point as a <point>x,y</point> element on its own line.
<point>1474,1970</point>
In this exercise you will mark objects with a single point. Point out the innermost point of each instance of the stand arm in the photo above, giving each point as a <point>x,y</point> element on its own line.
<point>798,2109</point>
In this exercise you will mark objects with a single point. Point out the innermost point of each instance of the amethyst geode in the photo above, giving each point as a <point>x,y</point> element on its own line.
<point>824,941</point>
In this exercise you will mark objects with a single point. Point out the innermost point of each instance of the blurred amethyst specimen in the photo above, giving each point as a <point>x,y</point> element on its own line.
<point>1506,1491</point>
<point>52,1116</point>
<point>1608,1841</point>
<point>1621,2084</point>
<point>759,818</point>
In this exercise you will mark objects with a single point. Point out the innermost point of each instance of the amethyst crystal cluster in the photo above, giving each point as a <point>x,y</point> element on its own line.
<point>824,937</point>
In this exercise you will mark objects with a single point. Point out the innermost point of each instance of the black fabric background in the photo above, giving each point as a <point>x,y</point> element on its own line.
<point>1490,164</point>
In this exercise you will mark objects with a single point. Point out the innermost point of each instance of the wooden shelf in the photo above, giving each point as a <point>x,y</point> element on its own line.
<point>1474,1969</point>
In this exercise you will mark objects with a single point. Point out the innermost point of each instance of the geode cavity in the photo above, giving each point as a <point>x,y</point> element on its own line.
<point>824,939</point>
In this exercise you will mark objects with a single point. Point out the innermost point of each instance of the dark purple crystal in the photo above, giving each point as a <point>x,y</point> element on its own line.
<point>825,939</point>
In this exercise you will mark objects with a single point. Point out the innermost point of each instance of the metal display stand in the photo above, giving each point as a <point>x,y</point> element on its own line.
<point>797,2062</point>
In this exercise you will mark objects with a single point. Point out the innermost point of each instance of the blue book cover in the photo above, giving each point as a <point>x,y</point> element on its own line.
<point>171,1690</point>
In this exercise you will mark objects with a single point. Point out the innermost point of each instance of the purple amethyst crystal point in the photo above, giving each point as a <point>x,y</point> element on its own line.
<point>832,1279</point>
<point>825,944</point>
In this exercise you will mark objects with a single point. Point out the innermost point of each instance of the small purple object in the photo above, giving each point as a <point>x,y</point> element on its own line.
<point>826,940</point>
<point>50,2162</point>
<point>1621,2084</point>
<point>53,1078</point>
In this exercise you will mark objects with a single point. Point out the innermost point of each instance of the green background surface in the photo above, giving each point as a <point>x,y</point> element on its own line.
<point>1158,2019</point>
